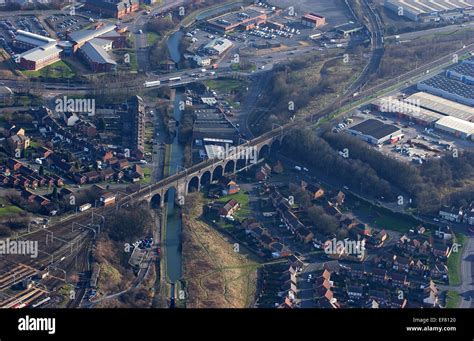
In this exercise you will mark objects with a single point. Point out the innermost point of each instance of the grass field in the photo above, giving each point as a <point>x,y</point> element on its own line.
<point>244,202</point>
<point>57,70</point>
<point>8,210</point>
<point>225,85</point>
<point>454,262</point>
<point>151,38</point>
<point>452,299</point>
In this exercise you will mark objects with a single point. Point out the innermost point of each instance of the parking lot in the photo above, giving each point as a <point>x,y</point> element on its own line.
<point>418,144</point>
<point>65,23</point>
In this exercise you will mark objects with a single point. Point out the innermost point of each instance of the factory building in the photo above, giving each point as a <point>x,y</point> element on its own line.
<point>408,109</point>
<point>442,106</point>
<point>376,132</point>
<point>459,128</point>
<point>433,10</point>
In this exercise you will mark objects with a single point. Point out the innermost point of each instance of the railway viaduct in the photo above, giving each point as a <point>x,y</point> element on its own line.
<point>205,172</point>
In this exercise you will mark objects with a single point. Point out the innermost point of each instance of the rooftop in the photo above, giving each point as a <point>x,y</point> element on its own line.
<point>457,124</point>
<point>443,106</point>
<point>41,52</point>
<point>32,38</point>
<point>375,128</point>
<point>97,54</point>
<point>86,35</point>
<point>421,7</point>
<point>441,82</point>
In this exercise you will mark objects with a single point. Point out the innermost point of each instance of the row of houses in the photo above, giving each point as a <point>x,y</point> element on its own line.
<point>15,174</point>
<point>458,214</point>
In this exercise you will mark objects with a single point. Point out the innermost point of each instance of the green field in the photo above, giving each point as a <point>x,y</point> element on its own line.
<point>244,201</point>
<point>8,210</point>
<point>57,70</point>
<point>227,85</point>
<point>454,261</point>
<point>151,38</point>
<point>147,175</point>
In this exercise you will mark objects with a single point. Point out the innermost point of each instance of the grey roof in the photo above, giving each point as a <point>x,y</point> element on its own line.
<point>41,52</point>
<point>421,7</point>
<point>375,128</point>
<point>86,35</point>
<point>452,86</point>
<point>32,38</point>
<point>97,54</point>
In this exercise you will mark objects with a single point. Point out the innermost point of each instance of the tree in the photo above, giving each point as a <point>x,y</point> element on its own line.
<point>41,170</point>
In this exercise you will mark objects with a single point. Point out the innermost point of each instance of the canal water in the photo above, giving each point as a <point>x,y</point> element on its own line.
<point>173,216</point>
<point>173,46</point>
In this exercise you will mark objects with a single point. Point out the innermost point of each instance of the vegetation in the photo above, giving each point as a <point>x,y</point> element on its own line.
<point>454,261</point>
<point>58,70</point>
<point>379,176</point>
<point>129,223</point>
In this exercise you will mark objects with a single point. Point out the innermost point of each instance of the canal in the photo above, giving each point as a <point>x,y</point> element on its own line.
<point>173,215</point>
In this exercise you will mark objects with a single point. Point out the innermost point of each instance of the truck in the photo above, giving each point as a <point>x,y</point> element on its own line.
<point>174,79</point>
<point>151,84</point>
<point>298,168</point>
<point>215,66</point>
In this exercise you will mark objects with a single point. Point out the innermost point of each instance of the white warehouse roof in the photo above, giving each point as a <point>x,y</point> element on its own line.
<point>42,52</point>
<point>456,124</point>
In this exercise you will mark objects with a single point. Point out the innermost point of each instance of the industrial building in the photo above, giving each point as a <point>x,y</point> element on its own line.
<point>408,109</point>
<point>41,56</point>
<point>313,20</point>
<point>442,106</point>
<point>245,20</point>
<point>433,10</point>
<point>113,8</point>
<point>456,126</point>
<point>456,83</point>
<point>376,132</point>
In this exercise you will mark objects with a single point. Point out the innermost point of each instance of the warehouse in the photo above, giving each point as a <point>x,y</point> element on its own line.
<point>409,110</point>
<point>433,10</point>
<point>375,131</point>
<point>456,126</point>
<point>244,20</point>
<point>442,106</point>
<point>40,57</point>
<point>450,88</point>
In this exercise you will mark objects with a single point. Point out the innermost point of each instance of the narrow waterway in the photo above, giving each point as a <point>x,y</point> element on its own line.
<point>173,216</point>
<point>173,44</point>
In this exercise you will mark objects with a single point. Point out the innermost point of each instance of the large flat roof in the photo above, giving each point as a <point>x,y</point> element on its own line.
<point>422,7</point>
<point>450,85</point>
<point>456,124</point>
<point>375,128</point>
<point>235,18</point>
<point>443,106</point>
<point>409,108</point>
